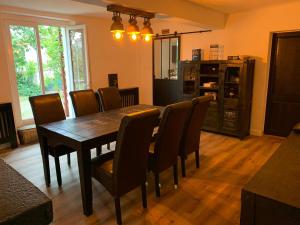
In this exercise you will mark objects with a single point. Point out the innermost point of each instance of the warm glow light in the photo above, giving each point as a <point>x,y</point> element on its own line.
<point>147,37</point>
<point>117,35</point>
<point>134,36</point>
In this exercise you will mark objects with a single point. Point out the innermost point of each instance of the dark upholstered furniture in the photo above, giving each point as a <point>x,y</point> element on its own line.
<point>84,102</point>
<point>21,203</point>
<point>7,125</point>
<point>128,169</point>
<point>47,109</point>
<point>110,98</point>
<point>164,151</point>
<point>272,196</point>
<point>84,133</point>
<point>190,142</point>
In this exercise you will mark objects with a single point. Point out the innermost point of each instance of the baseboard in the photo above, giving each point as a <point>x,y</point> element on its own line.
<point>255,132</point>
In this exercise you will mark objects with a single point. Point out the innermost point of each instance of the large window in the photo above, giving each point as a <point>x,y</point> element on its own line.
<point>43,66</point>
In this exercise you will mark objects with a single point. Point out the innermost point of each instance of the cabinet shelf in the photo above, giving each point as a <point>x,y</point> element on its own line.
<point>209,88</point>
<point>210,75</point>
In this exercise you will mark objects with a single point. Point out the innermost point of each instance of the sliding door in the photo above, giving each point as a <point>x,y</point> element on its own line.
<point>45,59</point>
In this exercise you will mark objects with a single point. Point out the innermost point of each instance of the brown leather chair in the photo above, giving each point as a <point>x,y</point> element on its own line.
<point>128,169</point>
<point>164,151</point>
<point>110,98</point>
<point>190,141</point>
<point>84,102</point>
<point>46,109</point>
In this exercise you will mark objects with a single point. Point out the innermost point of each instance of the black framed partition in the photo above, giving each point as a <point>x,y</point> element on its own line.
<point>166,57</point>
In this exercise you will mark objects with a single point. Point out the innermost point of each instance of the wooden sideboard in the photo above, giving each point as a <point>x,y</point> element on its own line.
<point>272,196</point>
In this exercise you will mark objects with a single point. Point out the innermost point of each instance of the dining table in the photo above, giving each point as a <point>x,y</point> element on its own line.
<point>83,134</point>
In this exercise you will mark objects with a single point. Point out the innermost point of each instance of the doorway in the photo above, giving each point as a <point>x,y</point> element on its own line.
<point>45,59</point>
<point>283,103</point>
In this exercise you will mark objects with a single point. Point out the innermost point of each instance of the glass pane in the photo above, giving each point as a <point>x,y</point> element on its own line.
<point>157,59</point>
<point>165,58</point>
<point>26,66</point>
<point>173,58</point>
<point>53,60</point>
<point>78,59</point>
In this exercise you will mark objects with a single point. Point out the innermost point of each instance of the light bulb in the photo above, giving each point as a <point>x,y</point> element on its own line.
<point>147,38</point>
<point>117,35</point>
<point>134,36</point>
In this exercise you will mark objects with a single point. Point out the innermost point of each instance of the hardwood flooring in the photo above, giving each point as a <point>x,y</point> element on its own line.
<point>207,196</point>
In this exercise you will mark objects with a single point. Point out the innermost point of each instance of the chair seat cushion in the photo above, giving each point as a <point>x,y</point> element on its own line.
<point>102,170</point>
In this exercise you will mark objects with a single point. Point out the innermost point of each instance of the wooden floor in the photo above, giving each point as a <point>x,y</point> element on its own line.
<point>208,196</point>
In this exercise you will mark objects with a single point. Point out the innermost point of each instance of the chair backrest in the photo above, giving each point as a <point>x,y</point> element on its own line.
<point>110,98</point>
<point>169,134</point>
<point>131,153</point>
<point>84,102</point>
<point>47,108</point>
<point>191,136</point>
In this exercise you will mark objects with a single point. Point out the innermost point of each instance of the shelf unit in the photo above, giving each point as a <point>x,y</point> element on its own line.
<point>231,83</point>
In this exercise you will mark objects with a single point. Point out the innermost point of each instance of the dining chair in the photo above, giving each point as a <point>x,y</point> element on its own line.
<point>46,109</point>
<point>84,102</point>
<point>163,153</point>
<point>128,169</point>
<point>110,98</point>
<point>190,142</point>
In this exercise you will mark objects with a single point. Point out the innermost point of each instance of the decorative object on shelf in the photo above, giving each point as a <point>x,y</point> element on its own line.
<point>216,52</point>
<point>196,54</point>
<point>113,80</point>
<point>233,57</point>
<point>133,31</point>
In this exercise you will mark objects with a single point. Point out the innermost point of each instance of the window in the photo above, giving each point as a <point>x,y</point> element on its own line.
<point>166,57</point>
<point>42,64</point>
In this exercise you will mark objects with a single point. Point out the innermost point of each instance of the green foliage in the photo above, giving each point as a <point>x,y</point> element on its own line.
<point>23,41</point>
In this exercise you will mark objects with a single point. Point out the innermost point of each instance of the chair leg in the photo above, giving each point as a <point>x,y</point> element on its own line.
<point>144,194</point>
<point>197,159</point>
<point>157,188</point>
<point>69,159</point>
<point>183,170</point>
<point>175,174</point>
<point>57,167</point>
<point>118,211</point>
<point>99,150</point>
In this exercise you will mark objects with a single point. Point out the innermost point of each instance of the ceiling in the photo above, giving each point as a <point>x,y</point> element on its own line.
<point>59,6</point>
<point>232,6</point>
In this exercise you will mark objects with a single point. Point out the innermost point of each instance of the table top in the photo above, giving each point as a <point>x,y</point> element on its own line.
<point>92,126</point>
<point>20,200</point>
<point>279,179</point>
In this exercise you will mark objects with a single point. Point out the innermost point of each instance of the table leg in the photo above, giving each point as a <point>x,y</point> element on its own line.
<point>84,166</point>
<point>45,157</point>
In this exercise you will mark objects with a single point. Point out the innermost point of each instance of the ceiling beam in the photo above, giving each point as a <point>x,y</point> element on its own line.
<point>187,10</point>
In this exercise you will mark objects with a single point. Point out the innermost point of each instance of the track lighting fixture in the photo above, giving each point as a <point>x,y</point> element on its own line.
<point>117,27</point>
<point>133,31</point>
<point>147,31</point>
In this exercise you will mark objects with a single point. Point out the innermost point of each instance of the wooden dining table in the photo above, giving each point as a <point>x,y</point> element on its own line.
<point>83,134</point>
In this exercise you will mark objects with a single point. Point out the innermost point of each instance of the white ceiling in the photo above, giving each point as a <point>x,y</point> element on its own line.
<point>68,7</point>
<point>232,6</point>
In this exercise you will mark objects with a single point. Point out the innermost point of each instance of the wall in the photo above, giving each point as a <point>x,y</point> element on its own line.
<point>246,33</point>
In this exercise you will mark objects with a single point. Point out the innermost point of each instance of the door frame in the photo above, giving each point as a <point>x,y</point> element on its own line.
<point>272,72</point>
<point>10,59</point>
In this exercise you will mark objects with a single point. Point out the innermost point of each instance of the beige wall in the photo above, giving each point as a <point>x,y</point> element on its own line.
<point>247,33</point>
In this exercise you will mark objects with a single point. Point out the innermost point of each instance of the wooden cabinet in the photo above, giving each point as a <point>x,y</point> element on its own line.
<point>230,83</point>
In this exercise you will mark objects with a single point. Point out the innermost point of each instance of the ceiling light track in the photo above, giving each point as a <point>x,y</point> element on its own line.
<point>133,30</point>
<point>181,33</point>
